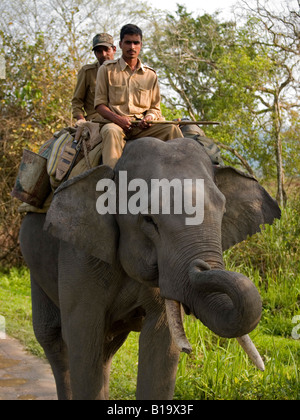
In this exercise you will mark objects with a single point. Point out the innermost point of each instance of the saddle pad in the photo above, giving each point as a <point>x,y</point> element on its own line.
<point>56,152</point>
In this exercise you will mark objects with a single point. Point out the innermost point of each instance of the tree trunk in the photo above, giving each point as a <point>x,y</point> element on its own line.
<point>280,173</point>
<point>281,195</point>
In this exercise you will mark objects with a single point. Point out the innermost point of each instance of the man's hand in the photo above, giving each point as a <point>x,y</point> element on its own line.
<point>124,123</point>
<point>146,122</point>
<point>80,120</point>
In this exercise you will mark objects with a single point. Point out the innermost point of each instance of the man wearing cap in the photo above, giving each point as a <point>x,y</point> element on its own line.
<point>127,91</point>
<point>84,94</point>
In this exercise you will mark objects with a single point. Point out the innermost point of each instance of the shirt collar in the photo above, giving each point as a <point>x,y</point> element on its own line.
<point>140,66</point>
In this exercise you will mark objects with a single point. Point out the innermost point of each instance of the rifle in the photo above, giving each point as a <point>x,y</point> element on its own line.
<point>184,122</point>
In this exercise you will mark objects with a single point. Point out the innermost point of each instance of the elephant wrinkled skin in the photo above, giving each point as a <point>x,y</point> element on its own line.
<point>97,277</point>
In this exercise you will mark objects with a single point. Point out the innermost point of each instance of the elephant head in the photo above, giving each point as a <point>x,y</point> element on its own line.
<point>170,251</point>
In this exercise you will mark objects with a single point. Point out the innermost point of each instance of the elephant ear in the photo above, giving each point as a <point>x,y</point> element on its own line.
<point>73,217</point>
<point>248,205</point>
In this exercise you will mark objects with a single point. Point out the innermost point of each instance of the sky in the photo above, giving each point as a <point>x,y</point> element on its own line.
<point>209,6</point>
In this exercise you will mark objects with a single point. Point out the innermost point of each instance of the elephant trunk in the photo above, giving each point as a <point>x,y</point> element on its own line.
<point>174,315</point>
<point>226,302</point>
<point>229,305</point>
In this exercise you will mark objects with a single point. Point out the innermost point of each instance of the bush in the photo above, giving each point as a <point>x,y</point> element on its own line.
<point>35,102</point>
<point>272,260</point>
<point>217,368</point>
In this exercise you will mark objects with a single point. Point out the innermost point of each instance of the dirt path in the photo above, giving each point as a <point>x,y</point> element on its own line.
<point>23,376</point>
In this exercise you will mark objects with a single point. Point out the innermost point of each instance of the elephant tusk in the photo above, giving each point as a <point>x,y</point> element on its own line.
<point>174,316</point>
<point>249,347</point>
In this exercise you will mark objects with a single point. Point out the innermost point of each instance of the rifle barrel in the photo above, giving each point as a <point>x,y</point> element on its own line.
<point>182,122</point>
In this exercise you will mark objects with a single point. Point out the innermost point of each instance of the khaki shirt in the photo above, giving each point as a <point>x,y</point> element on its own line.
<point>134,94</point>
<point>84,94</point>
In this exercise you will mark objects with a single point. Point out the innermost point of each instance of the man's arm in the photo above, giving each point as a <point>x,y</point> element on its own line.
<point>105,112</point>
<point>78,97</point>
<point>122,121</point>
<point>101,101</point>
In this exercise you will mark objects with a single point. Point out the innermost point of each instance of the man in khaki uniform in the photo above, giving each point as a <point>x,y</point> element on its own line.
<point>84,94</point>
<point>126,91</point>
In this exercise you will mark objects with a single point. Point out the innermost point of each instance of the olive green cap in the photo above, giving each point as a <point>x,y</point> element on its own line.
<point>103,39</point>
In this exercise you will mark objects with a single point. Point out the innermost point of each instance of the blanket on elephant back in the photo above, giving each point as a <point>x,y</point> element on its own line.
<point>72,145</point>
<point>196,133</point>
<point>45,150</point>
<point>56,151</point>
<point>52,151</point>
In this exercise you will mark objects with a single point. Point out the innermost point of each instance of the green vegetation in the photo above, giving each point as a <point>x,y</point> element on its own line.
<point>271,259</point>
<point>243,73</point>
<point>218,368</point>
<point>15,306</point>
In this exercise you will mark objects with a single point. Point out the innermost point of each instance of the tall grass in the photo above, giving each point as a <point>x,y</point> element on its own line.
<point>217,368</point>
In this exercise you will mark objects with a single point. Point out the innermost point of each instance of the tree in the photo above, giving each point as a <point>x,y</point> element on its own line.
<point>279,97</point>
<point>35,102</point>
<point>192,56</point>
<point>69,25</point>
<point>43,43</point>
<point>245,75</point>
<point>184,52</point>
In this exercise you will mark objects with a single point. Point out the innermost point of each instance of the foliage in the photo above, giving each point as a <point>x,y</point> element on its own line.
<point>35,102</point>
<point>184,52</point>
<point>44,44</point>
<point>278,95</point>
<point>38,87</point>
<point>15,306</point>
<point>244,74</point>
<point>70,25</point>
<point>217,368</point>
<point>208,68</point>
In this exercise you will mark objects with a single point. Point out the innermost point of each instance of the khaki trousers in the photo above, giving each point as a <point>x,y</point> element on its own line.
<point>114,139</point>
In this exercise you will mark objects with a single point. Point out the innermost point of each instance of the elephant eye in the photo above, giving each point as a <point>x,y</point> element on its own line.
<point>149,220</point>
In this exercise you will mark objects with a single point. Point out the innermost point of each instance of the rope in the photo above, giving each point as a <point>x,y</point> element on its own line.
<point>86,154</point>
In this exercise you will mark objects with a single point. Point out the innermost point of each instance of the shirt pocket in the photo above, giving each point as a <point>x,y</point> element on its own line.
<point>142,98</point>
<point>117,94</point>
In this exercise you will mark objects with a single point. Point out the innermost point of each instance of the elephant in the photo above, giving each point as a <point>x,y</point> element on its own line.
<point>96,275</point>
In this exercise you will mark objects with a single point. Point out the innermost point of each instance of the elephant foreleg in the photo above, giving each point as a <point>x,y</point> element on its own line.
<point>47,328</point>
<point>110,349</point>
<point>158,360</point>
<point>83,335</point>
